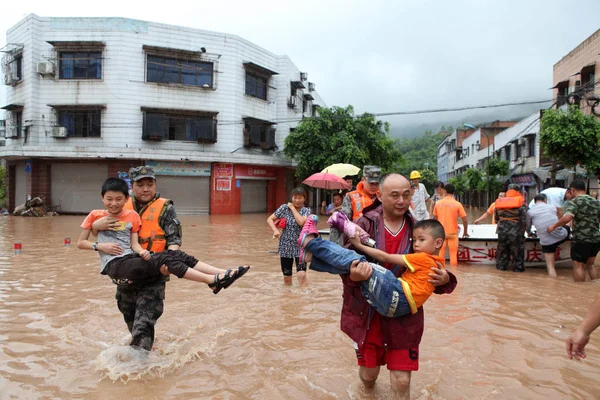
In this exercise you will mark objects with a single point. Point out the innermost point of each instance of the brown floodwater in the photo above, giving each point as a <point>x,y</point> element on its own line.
<point>500,335</point>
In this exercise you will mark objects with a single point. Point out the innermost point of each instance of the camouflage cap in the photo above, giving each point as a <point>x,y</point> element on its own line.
<point>141,172</point>
<point>372,173</point>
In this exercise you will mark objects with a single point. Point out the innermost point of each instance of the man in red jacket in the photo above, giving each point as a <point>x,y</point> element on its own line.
<point>380,340</point>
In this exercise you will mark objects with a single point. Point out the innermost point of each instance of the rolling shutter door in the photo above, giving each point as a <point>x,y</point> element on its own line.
<point>254,196</point>
<point>20,184</point>
<point>76,187</point>
<point>190,194</point>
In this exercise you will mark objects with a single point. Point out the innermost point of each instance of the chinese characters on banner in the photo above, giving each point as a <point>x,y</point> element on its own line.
<point>485,253</point>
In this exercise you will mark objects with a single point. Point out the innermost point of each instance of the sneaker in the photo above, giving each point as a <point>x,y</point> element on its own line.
<point>309,228</point>
<point>340,222</point>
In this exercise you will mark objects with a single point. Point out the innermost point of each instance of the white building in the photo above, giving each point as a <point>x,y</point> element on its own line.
<point>89,97</point>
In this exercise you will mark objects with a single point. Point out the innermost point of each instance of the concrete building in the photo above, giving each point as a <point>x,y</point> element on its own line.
<point>574,77</point>
<point>90,97</point>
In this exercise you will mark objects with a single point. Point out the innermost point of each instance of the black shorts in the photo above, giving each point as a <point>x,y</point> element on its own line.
<point>551,248</point>
<point>582,251</point>
<point>288,263</point>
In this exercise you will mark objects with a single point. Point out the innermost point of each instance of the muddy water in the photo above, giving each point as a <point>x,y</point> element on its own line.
<point>499,336</point>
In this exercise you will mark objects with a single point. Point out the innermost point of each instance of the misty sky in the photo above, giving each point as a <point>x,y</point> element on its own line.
<point>383,56</point>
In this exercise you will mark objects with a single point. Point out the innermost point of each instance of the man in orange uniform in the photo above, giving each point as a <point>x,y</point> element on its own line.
<point>447,211</point>
<point>364,195</point>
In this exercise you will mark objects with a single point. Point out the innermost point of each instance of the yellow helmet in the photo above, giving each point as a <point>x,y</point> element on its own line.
<point>415,175</point>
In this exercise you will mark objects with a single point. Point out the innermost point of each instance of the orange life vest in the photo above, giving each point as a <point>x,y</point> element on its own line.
<point>151,235</point>
<point>360,201</point>
<point>509,204</point>
<point>504,203</point>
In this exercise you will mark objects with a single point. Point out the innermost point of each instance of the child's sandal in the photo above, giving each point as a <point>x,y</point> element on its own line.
<point>220,283</point>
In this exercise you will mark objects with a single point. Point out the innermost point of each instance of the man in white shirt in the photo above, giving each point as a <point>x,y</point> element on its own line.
<point>542,215</point>
<point>556,197</point>
<point>420,199</point>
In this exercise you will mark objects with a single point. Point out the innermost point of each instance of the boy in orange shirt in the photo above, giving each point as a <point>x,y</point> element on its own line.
<point>390,296</point>
<point>123,259</point>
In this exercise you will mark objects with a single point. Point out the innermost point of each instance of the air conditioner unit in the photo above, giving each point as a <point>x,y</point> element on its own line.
<point>311,87</point>
<point>10,76</point>
<point>477,145</point>
<point>303,76</point>
<point>45,68</point>
<point>522,141</point>
<point>293,101</point>
<point>12,132</point>
<point>59,132</point>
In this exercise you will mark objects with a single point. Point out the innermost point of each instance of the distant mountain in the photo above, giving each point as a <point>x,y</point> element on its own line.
<point>400,128</point>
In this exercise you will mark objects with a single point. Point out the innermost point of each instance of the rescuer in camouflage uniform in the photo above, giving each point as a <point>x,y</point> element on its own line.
<point>511,233</point>
<point>141,303</point>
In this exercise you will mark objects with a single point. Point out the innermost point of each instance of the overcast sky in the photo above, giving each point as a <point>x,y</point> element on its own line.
<point>383,56</point>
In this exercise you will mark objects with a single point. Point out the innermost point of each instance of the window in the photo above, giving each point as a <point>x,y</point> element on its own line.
<point>256,85</point>
<point>259,133</point>
<point>80,123</point>
<point>588,78</point>
<point>180,71</point>
<point>519,150</point>
<point>531,146</point>
<point>507,153</point>
<point>80,65</point>
<point>173,126</point>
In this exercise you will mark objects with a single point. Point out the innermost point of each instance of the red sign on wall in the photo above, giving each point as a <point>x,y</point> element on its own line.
<point>254,172</point>
<point>223,185</point>
<point>223,170</point>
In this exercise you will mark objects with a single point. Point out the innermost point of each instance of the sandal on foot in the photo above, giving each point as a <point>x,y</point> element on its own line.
<point>220,283</point>
<point>241,270</point>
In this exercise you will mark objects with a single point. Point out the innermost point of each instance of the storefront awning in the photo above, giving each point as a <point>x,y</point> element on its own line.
<point>523,180</point>
<point>543,173</point>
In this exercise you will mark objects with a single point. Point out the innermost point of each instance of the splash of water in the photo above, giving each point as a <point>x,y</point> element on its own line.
<point>126,363</point>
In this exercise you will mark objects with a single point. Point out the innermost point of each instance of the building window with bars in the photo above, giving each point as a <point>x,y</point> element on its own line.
<point>80,65</point>
<point>179,71</point>
<point>81,123</point>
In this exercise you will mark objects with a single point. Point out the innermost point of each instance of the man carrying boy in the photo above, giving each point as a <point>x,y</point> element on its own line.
<point>390,296</point>
<point>142,303</point>
<point>381,340</point>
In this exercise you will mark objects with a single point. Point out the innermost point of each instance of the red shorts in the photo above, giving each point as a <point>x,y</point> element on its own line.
<point>372,353</point>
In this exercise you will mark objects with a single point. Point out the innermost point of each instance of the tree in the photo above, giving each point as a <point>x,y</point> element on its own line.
<point>419,153</point>
<point>460,184</point>
<point>571,137</point>
<point>428,178</point>
<point>338,136</point>
<point>473,178</point>
<point>495,167</point>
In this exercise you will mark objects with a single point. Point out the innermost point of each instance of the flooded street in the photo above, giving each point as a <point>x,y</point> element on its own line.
<point>500,335</point>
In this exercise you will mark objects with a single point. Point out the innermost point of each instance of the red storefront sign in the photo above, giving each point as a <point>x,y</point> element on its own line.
<point>223,170</point>
<point>223,184</point>
<point>254,172</point>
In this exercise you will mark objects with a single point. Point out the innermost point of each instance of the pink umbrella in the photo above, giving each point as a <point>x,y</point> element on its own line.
<point>322,180</point>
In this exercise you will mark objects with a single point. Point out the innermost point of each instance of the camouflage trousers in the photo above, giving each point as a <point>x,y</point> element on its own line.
<point>141,307</point>
<point>511,250</point>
